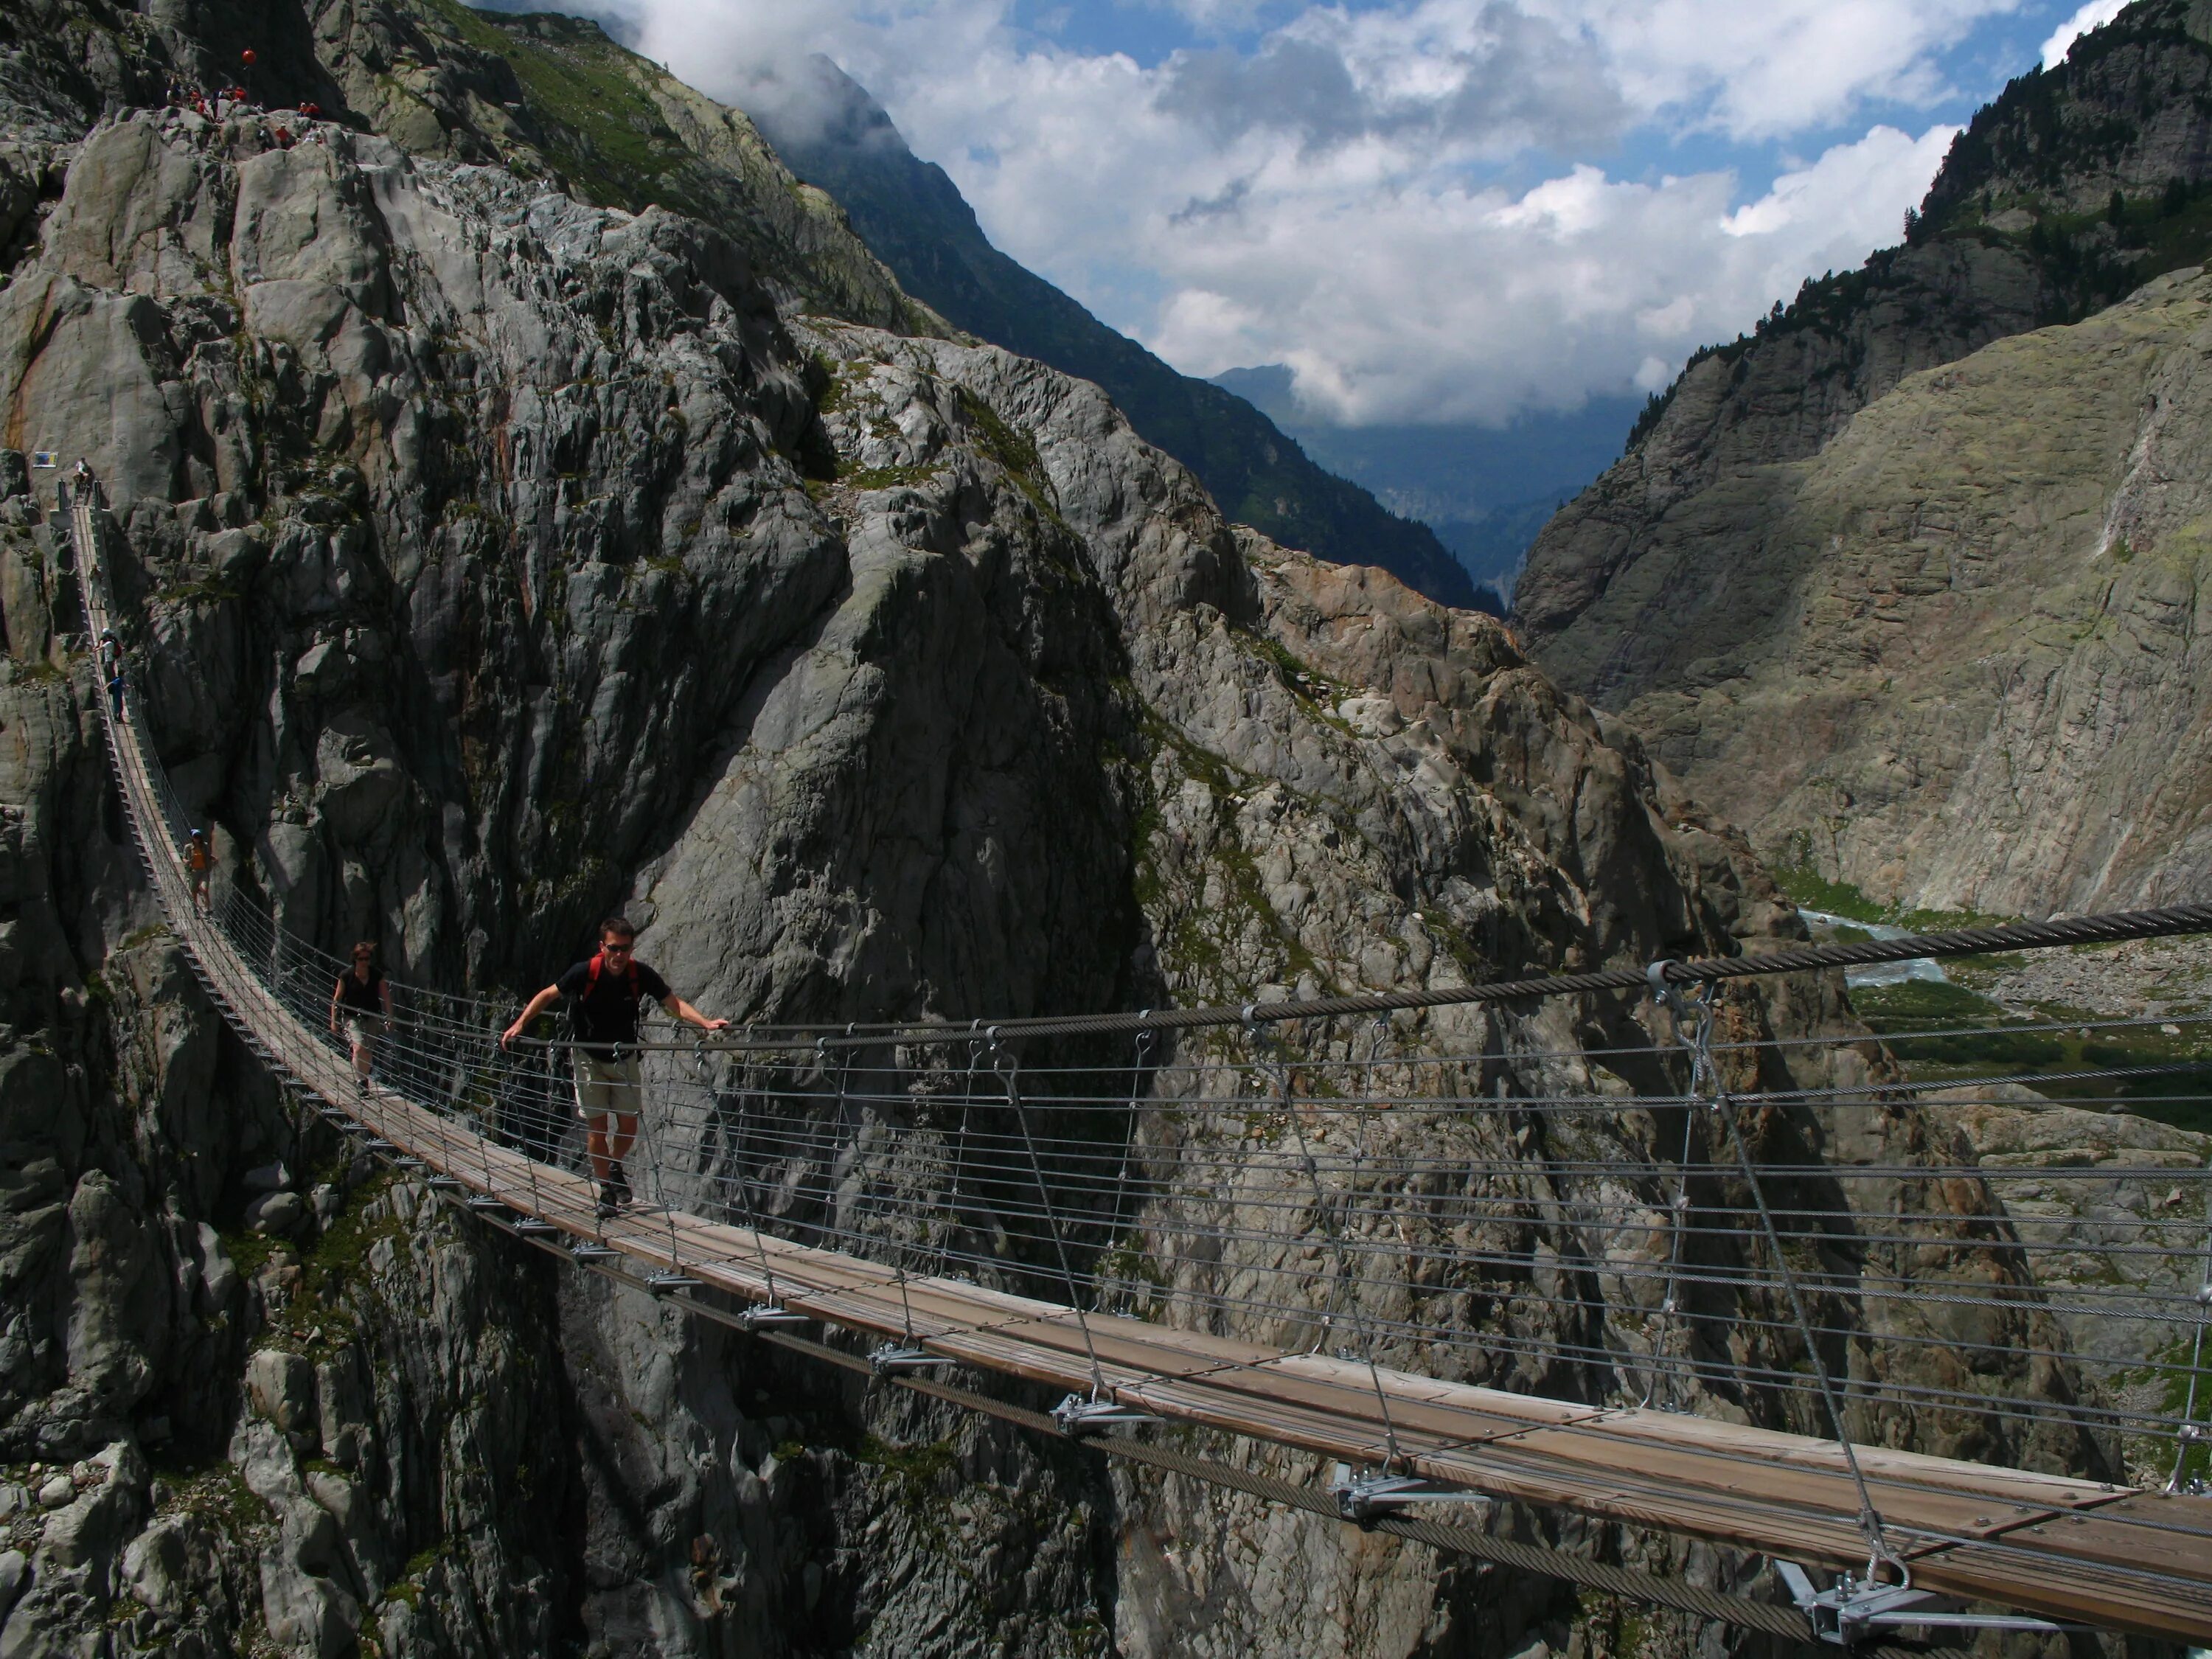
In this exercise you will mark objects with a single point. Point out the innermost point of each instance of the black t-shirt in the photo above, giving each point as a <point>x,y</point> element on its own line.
<point>609,1014</point>
<point>362,999</point>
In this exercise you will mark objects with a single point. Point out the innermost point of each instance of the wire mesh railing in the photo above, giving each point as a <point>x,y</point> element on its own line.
<point>1911,1240</point>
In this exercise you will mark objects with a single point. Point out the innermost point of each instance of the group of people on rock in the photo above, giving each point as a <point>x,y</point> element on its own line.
<point>233,102</point>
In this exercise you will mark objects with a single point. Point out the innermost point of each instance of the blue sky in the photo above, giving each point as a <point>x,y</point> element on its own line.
<point>1430,210</point>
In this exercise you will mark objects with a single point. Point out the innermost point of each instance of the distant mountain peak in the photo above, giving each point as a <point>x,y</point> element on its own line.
<point>828,128</point>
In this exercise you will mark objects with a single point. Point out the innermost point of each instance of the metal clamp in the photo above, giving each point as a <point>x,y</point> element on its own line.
<point>664,1281</point>
<point>891,1359</point>
<point>1081,1414</point>
<point>1851,1610</point>
<point>1364,1499</point>
<point>769,1315</point>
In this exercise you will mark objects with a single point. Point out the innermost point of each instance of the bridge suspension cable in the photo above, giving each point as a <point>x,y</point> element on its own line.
<point>1702,1286</point>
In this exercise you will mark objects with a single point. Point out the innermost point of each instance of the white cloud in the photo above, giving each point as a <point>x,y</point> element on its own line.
<point>1455,303</point>
<point>1760,69</point>
<point>2094,15</point>
<point>1321,200</point>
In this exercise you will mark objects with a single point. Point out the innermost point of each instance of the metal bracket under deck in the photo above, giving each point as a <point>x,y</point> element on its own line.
<point>666,1281</point>
<point>1852,1610</point>
<point>1079,1415</point>
<point>763,1318</point>
<point>891,1358</point>
<point>1365,1499</point>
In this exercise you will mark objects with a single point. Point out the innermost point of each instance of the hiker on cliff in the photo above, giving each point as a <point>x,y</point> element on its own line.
<point>361,1007</point>
<point>199,864</point>
<point>602,997</point>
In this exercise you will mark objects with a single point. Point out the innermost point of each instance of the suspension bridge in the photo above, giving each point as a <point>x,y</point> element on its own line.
<point>1698,1282</point>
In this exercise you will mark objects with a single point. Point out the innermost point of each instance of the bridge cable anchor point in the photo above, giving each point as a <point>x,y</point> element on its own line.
<point>891,1358</point>
<point>1364,1499</point>
<point>1855,1609</point>
<point>1082,1414</point>
<point>666,1281</point>
<point>769,1316</point>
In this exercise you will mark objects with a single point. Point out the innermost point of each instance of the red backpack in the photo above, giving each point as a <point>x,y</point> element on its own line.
<point>592,977</point>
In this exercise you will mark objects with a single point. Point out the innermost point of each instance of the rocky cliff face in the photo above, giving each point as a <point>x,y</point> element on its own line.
<point>1962,663</point>
<point>497,559</point>
<point>1661,590</point>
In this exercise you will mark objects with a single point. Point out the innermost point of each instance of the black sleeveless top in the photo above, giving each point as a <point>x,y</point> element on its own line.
<point>362,999</point>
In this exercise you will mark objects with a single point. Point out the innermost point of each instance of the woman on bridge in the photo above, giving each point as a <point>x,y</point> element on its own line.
<point>603,996</point>
<point>363,1002</point>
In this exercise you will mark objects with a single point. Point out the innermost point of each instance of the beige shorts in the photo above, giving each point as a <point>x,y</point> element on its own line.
<point>605,1087</point>
<point>361,1031</point>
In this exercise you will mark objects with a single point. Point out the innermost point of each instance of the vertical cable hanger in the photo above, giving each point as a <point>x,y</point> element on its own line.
<point>772,1312</point>
<point>1662,1368</point>
<point>1129,1151</point>
<point>1075,1415</point>
<point>889,1358</point>
<point>2191,1432</point>
<point>1879,1551</point>
<point>1357,1498</point>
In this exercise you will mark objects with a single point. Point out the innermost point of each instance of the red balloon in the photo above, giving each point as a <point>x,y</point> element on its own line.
<point>247,58</point>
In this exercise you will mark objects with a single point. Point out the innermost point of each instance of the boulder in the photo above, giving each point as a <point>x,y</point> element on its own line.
<point>277,1213</point>
<point>282,1388</point>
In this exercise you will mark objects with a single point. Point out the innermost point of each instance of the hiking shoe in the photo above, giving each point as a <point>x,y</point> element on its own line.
<point>618,1178</point>
<point>362,1083</point>
<point>608,1202</point>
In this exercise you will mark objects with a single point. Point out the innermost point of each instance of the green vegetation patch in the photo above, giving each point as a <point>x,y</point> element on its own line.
<point>1195,941</point>
<point>1905,1015</point>
<point>602,130</point>
<point>1013,449</point>
<point>1810,891</point>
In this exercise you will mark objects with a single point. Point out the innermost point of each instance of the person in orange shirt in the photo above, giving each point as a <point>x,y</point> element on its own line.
<point>199,864</point>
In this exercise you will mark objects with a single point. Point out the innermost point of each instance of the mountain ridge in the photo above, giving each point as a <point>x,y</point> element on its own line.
<point>913,215</point>
<point>1688,585</point>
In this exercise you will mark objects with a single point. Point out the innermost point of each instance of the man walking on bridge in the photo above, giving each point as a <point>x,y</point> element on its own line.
<point>602,997</point>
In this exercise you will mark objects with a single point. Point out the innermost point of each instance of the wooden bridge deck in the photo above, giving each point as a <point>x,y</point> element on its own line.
<point>2128,1557</point>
